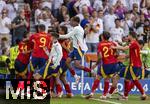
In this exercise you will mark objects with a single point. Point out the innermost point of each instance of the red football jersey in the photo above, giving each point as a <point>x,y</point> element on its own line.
<point>135,59</point>
<point>40,41</point>
<point>65,52</point>
<point>24,52</point>
<point>108,54</point>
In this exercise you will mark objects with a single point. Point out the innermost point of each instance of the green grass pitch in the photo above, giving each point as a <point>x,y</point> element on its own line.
<point>133,99</point>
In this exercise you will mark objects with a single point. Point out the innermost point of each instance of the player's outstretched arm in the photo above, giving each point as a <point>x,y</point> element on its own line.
<point>145,52</point>
<point>98,61</point>
<point>120,47</point>
<point>67,35</point>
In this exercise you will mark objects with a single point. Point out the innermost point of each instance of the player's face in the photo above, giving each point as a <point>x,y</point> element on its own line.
<point>28,35</point>
<point>102,37</point>
<point>129,37</point>
<point>72,23</point>
<point>118,23</point>
<point>60,31</point>
<point>141,46</point>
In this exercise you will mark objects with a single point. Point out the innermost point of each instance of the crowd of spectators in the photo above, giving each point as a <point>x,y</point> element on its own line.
<point>116,16</point>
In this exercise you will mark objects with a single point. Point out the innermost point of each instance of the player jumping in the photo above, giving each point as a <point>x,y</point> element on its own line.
<point>79,47</point>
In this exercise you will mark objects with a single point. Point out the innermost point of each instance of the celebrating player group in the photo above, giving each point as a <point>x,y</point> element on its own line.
<point>49,55</point>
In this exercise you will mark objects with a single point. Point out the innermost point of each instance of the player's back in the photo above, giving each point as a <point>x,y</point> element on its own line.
<point>135,58</point>
<point>24,52</point>
<point>107,53</point>
<point>40,41</point>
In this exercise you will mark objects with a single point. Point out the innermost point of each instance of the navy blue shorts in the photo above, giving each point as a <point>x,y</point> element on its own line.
<point>63,65</point>
<point>20,67</point>
<point>38,62</point>
<point>144,73</point>
<point>76,54</point>
<point>108,70</point>
<point>131,73</point>
<point>51,70</point>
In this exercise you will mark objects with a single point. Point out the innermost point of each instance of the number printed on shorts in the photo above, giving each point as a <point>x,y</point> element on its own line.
<point>43,42</point>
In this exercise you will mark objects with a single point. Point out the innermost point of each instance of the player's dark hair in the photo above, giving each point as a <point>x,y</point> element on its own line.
<point>25,34</point>
<point>54,34</point>
<point>17,41</point>
<point>100,10</point>
<point>117,19</point>
<point>133,34</point>
<point>106,35</point>
<point>41,27</point>
<point>141,42</point>
<point>64,28</point>
<point>76,19</point>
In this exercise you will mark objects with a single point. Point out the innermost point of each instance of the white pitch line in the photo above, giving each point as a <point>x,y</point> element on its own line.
<point>106,101</point>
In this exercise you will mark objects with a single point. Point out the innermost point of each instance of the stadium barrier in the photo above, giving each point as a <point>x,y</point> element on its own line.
<point>88,81</point>
<point>85,85</point>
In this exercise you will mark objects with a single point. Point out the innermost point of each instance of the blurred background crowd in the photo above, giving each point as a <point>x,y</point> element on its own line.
<point>116,16</point>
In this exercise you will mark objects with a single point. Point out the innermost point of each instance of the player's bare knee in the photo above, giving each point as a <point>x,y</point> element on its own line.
<point>98,77</point>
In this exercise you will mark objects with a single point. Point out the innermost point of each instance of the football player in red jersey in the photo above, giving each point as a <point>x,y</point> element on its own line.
<point>52,68</point>
<point>132,72</point>
<point>22,59</point>
<point>40,41</point>
<point>108,68</point>
<point>65,46</point>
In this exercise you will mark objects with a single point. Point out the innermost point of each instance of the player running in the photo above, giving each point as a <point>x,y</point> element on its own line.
<point>132,72</point>
<point>108,68</point>
<point>79,47</point>
<point>22,59</point>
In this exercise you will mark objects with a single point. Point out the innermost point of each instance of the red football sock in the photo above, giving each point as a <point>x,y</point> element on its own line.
<point>58,88</point>
<point>139,86</point>
<point>131,86</point>
<point>67,88</point>
<point>86,69</point>
<point>72,71</point>
<point>112,89</point>
<point>95,85</point>
<point>126,87</point>
<point>30,74</point>
<point>106,87</point>
<point>52,83</point>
